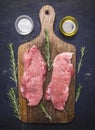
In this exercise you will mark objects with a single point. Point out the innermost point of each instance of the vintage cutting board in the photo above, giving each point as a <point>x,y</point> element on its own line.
<point>35,114</point>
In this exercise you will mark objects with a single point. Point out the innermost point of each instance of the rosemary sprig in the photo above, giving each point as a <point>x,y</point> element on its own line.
<point>78,92</point>
<point>45,112</point>
<point>13,66</point>
<point>12,93</point>
<point>14,101</point>
<point>81,58</point>
<point>47,50</point>
<point>79,88</point>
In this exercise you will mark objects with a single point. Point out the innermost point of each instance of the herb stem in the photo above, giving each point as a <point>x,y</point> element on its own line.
<point>14,101</point>
<point>45,112</point>
<point>81,59</point>
<point>47,50</point>
<point>13,67</point>
<point>78,91</point>
<point>12,93</point>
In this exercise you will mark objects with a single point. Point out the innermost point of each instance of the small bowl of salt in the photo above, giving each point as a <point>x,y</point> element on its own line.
<point>68,26</point>
<point>24,25</point>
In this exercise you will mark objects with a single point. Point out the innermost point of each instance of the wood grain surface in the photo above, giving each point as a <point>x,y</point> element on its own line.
<point>35,114</point>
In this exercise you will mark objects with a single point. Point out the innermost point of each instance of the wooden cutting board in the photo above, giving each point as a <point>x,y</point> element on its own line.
<point>34,114</point>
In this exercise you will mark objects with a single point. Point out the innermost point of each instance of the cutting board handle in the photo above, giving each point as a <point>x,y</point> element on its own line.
<point>47,17</point>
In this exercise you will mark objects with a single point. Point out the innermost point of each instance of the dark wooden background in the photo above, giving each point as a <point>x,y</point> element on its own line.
<point>83,11</point>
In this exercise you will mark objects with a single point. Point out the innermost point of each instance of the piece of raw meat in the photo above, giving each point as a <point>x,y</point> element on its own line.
<point>33,76</point>
<point>58,88</point>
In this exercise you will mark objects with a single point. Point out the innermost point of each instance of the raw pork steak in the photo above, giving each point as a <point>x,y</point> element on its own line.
<point>58,88</point>
<point>33,76</point>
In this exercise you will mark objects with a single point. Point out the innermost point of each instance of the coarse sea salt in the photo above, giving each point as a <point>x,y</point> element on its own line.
<point>24,24</point>
<point>69,26</point>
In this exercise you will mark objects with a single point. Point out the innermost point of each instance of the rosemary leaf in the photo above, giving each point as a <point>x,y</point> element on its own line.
<point>45,112</point>
<point>78,91</point>
<point>14,103</point>
<point>47,50</point>
<point>12,78</point>
<point>81,58</point>
<point>13,66</point>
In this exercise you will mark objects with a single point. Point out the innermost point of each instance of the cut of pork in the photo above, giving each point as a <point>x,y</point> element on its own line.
<point>58,89</point>
<point>33,76</point>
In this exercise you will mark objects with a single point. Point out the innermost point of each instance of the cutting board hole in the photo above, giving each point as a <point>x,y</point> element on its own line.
<point>47,12</point>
